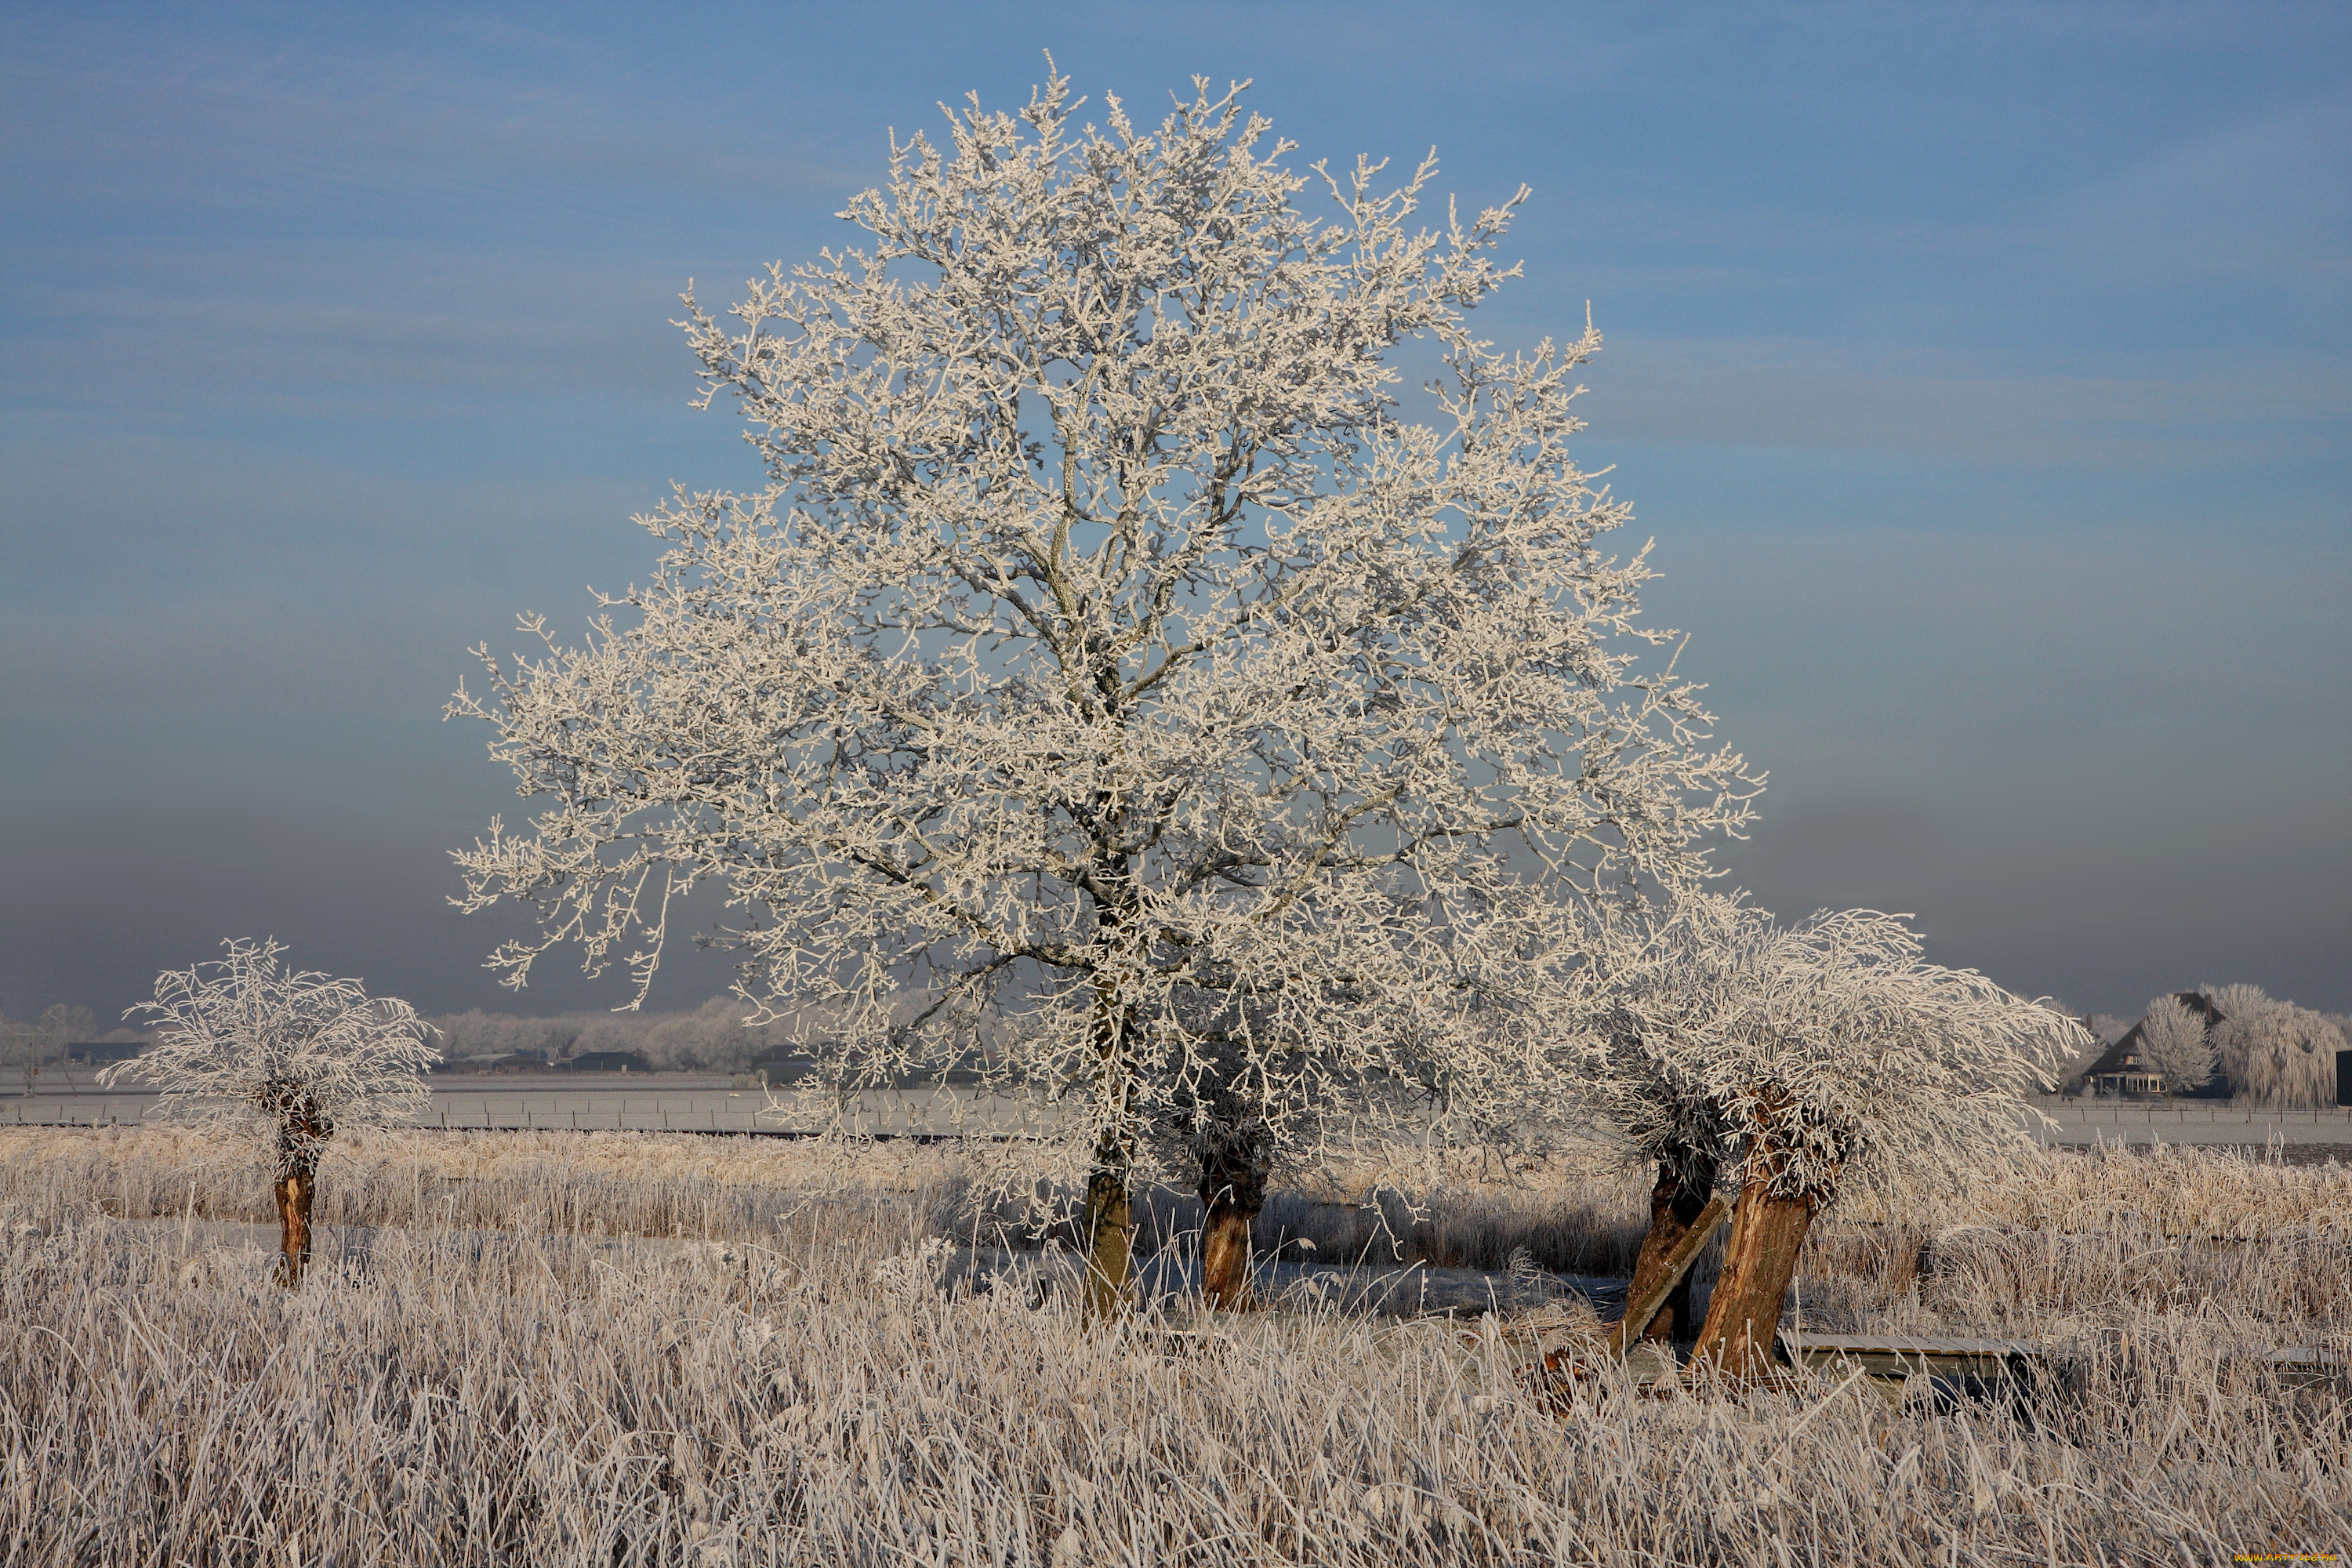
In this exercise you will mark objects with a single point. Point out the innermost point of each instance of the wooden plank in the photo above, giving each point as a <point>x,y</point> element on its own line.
<point>1638,1313</point>
<point>1990,1360</point>
<point>1918,1356</point>
<point>1927,1344</point>
<point>2299,1366</point>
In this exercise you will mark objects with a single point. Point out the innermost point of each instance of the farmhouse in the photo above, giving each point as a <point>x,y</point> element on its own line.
<point>2121,1073</point>
<point>2124,1072</point>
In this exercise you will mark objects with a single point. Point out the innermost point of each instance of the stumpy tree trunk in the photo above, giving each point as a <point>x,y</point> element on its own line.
<point>1759,1262</point>
<point>1682,1191</point>
<point>296,1181</point>
<point>1110,1230</point>
<point>1232,1187</point>
<point>302,1127</point>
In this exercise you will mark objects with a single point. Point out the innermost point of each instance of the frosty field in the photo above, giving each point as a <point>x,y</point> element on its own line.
<point>619,1348</point>
<point>687,1103</point>
<point>638,1102</point>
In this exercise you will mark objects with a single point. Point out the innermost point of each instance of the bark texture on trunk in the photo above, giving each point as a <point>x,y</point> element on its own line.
<point>1226,1258</point>
<point>1110,1237</point>
<point>1681,1192</point>
<point>1110,1210</point>
<point>1759,1262</point>
<point>1233,1187</point>
<point>303,1126</point>
<point>296,1183</point>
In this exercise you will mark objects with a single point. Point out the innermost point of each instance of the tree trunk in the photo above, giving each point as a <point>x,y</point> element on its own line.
<point>1758,1261</point>
<point>1225,1256</point>
<point>1233,1187</point>
<point>1110,1233</point>
<point>1110,1210</point>
<point>303,1128</point>
<point>1674,1204</point>
<point>296,1181</point>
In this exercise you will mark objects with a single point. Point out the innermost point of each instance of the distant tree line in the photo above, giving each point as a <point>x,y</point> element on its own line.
<point>31,1045</point>
<point>712,1038</point>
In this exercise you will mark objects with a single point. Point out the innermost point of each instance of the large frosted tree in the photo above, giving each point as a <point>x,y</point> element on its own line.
<point>1113,692</point>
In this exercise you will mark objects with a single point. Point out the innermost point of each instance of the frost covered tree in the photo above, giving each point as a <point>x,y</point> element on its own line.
<point>1797,1061</point>
<point>1853,1060</point>
<point>1113,692</point>
<point>20,1043</point>
<point>49,1040</point>
<point>1651,992</point>
<point>2273,1053</point>
<point>280,1061</point>
<point>2174,1041</point>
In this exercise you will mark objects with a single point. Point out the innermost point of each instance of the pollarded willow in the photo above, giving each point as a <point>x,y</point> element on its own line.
<point>1797,1061</point>
<point>280,1060</point>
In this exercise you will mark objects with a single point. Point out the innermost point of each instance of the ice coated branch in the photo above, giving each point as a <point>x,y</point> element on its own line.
<point>277,1058</point>
<point>1812,1055</point>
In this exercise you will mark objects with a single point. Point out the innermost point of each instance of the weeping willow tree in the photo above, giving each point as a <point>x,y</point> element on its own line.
<point>2273,1053</point>
<point>1113,699</point>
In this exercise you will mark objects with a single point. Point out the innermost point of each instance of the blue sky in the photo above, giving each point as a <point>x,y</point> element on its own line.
<point>1982,373</point>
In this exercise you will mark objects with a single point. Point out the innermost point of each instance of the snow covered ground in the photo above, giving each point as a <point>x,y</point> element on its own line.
<point>2088,1121</point>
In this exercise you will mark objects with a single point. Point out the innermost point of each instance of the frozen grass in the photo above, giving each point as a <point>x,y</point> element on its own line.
<point>594,1184</point>
<point>2179,1189</point>
<point>2070,1238</point>
<point>445,1396</point>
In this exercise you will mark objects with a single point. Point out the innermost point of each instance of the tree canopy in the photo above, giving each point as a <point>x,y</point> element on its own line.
<point>276,1057</point>
<point>1113,691</point>
<point>1806,1055</point>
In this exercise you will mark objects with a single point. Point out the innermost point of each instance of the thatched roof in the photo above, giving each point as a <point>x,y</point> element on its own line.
<point>2124,1056</point>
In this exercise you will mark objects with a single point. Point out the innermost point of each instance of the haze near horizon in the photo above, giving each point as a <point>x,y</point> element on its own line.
<point>1981,375</point>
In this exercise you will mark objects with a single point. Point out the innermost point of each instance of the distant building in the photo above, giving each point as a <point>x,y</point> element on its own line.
<point>2121,1072</point>
<point>98,1053</point>
<point>608,1062</point>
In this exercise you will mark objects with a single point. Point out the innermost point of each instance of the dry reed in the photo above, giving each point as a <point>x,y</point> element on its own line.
<point>528,1393</point>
